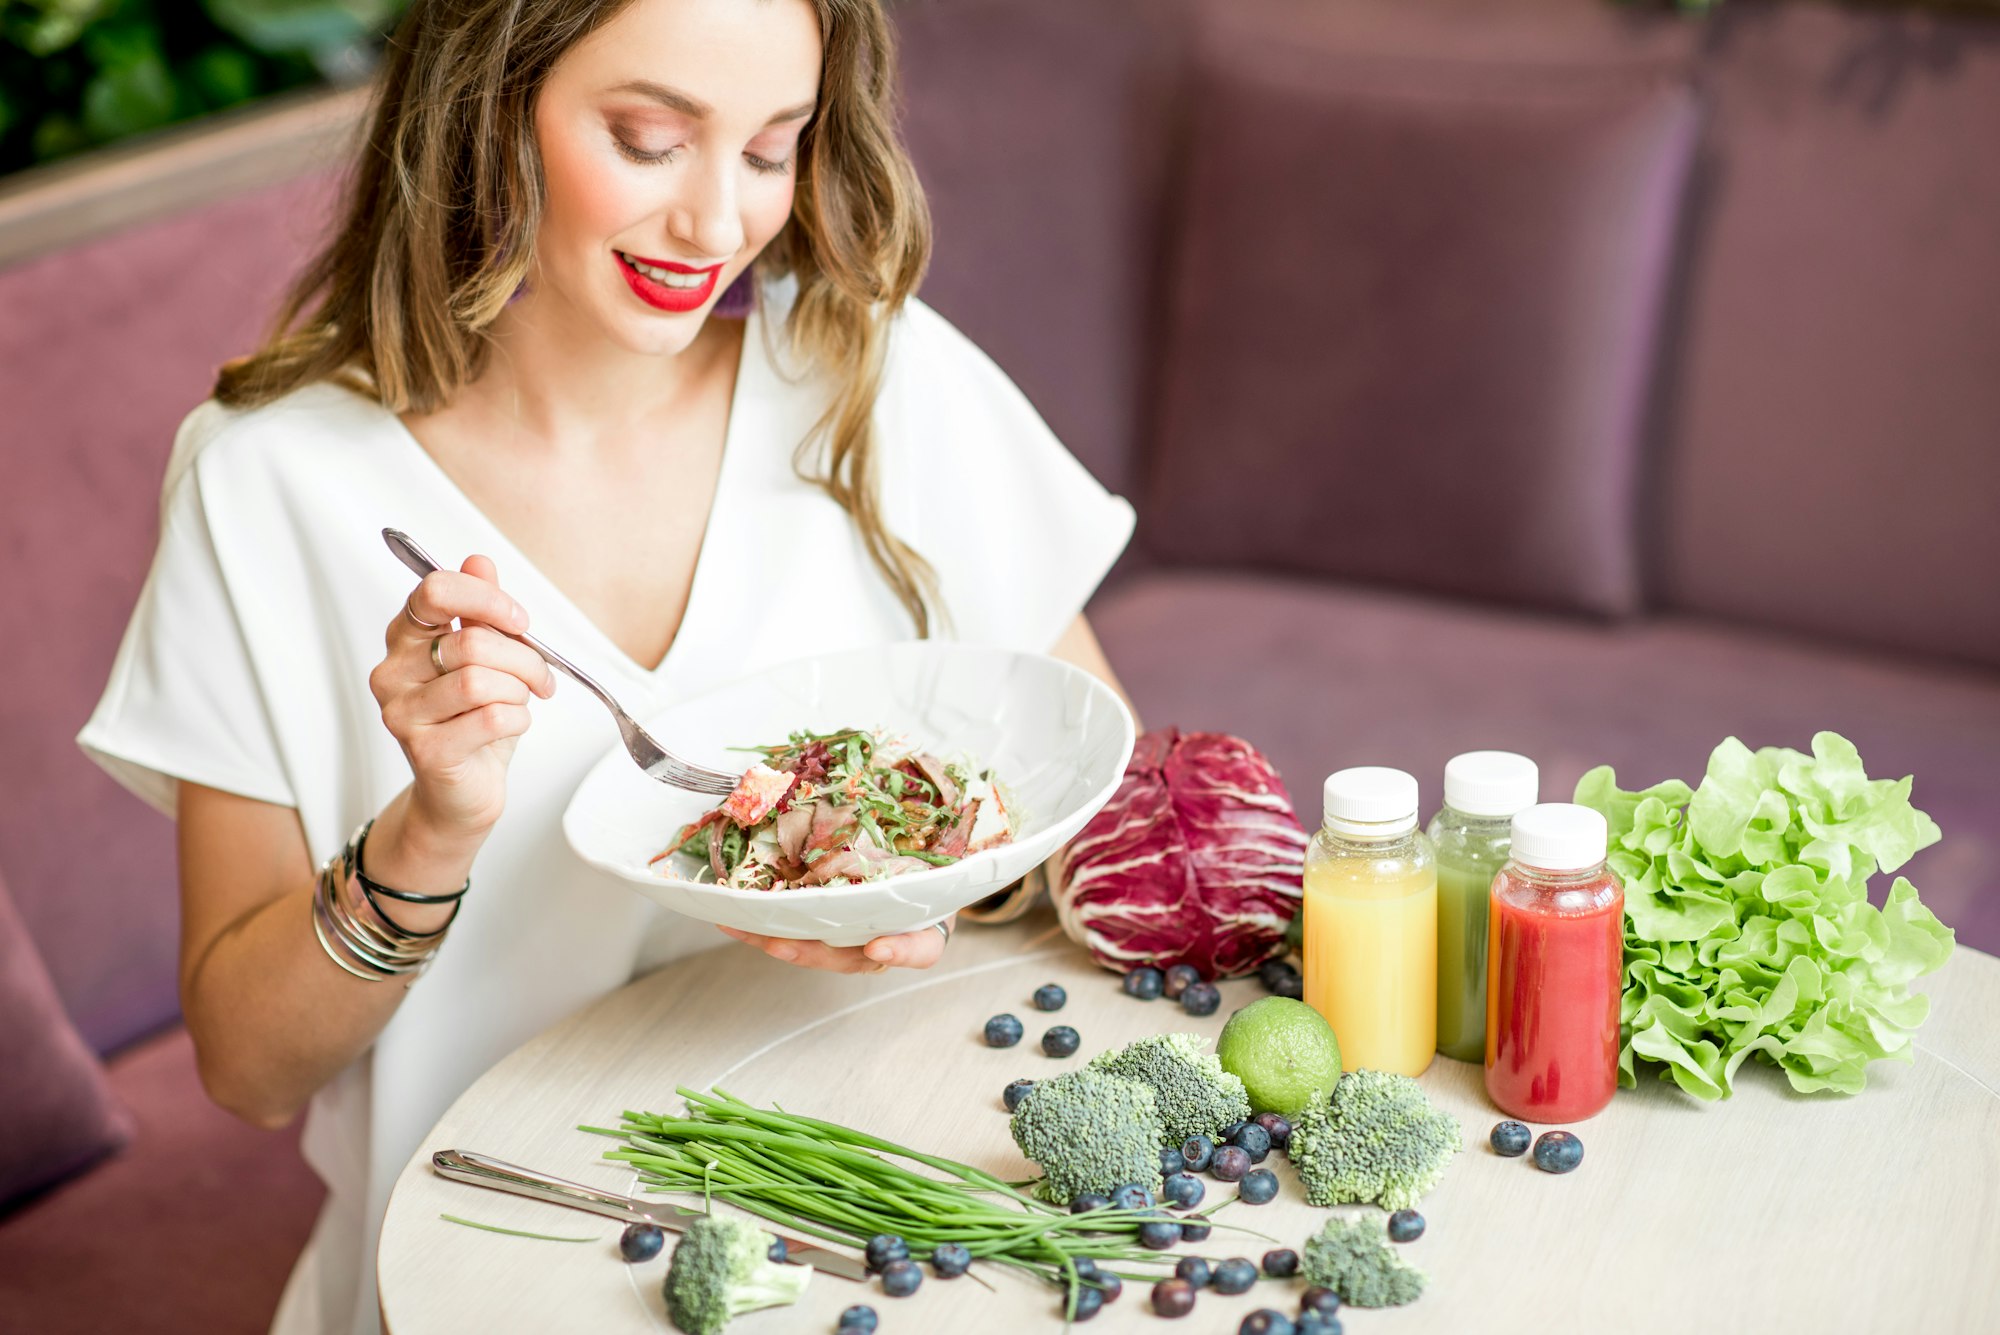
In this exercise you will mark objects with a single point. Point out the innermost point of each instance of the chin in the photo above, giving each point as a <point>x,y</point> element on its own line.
<point>657,334</point>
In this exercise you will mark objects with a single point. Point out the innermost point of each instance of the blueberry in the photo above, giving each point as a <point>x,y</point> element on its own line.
<point>1003,1031</point>
<point>1405,1226</point>
<point>1276,1127</point>
<point>884,1248</point>
<point>1291,985</point>
<point>1264,1321</point>
<point>777,1251</point>
<point>950,1260</point>
<point>1193,1232</point>
<point>1179,979</point>
<point>860,1319</point>
<point>1159,1234</point>
<point>1273,972</point>
<point>1086,1266</point>
<point>901,1278</point>
<point>1184,1190</point>
<point>1016,1091</point>
<point>1132,1196</point>
<point>1227,1136</point>
<point>1050,997</point>
<point>1171,1162</point>
<point>1145,983</point>
<point>1173,1297</point>
<point>1196,1152</point>
<point>1089,1200</point>
<point>1088,1302</point>
<point>1259,1186</point>
<point>1194,1270</point>
<point>1557,1152</point>
<point>1109,1285</point>
<point>1510,1139</point>
<point>1230,1164</point>
<point>1254,1141</point>
<point>1235,1275</point>
<point>1060,1041</point>
<point>1282,1263</point>
<point>1201,999</point>
<point>641,1242</point>
<point>1321,1300</point>
<point>1312,1323</point>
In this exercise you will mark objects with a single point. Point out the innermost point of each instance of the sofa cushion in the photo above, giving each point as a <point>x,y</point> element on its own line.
<point>93,384</point>
<point>1834,465</point>
<point>1321,676</point>
<point>1048,191</point>
<point>1418,307</point>
<point>58,1117</point>
<point>191,1231</point>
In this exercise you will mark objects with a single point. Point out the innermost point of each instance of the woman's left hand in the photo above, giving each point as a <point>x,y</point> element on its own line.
<point>911,950</point>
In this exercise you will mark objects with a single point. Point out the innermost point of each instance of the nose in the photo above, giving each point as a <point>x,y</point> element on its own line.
<point>704,215</point>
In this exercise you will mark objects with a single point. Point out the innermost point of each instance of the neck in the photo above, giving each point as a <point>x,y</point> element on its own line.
<point>551,383</point>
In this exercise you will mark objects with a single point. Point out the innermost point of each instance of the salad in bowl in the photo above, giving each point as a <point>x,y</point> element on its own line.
<point>844,807</point>
<point>916,778</point>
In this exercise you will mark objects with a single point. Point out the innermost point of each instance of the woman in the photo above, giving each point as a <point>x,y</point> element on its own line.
<point>513,348</point>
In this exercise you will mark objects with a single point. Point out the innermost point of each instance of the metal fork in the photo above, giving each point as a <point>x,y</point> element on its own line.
<point>658,762</point>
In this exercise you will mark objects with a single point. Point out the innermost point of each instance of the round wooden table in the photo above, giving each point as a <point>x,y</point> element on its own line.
<point>1772,1211</point>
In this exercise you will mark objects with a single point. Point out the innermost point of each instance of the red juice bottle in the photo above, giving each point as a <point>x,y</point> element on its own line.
<point>1555,964</point>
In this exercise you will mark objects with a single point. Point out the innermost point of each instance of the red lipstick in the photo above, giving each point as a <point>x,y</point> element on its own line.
<point>659,295</point>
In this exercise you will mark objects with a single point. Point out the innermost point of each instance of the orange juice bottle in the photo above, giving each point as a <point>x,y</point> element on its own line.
<point>1371,923</point>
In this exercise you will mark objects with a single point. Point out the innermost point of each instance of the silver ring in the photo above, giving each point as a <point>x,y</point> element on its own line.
<point>943,930</point>
<point>437,657</point>
<point>411,612</point>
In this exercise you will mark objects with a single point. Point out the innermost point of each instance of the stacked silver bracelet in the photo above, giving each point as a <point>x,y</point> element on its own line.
<point>354,931</point>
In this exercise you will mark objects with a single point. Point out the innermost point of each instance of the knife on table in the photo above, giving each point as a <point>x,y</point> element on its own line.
<point>485,1171</point>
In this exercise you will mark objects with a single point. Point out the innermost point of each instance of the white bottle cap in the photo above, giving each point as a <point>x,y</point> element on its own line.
<point>1371,801</point>
<point>1560,836</point>
<point>1491,783</point>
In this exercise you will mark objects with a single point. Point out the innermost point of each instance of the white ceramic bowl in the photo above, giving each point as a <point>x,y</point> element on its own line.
<point>1054,735</point>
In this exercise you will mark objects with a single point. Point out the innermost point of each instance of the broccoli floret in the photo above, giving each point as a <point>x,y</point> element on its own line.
<point>1377,1139</point>
<point>1089,1131</point>
<point>1354,1259</point>
<point>1197,1097</point>
<point>721,1269</point>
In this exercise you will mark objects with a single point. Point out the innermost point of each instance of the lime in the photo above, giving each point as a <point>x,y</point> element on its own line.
<point>1283,1051</point>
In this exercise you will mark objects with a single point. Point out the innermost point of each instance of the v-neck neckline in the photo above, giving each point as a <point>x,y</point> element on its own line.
<point>718,512</point>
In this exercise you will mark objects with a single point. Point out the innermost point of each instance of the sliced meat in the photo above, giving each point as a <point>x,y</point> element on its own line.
<point>933,769</point>
<point>794,829</point>
<point>832,826</point>
<point>836,865</point>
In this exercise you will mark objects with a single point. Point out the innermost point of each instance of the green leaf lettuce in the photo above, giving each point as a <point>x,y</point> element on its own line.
<point>1748,929</point>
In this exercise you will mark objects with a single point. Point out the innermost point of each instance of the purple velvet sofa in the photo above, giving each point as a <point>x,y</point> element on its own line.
<point>1555,376</point>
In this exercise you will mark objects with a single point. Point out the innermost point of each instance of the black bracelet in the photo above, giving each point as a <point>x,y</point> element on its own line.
<point>373,888</point>
<point>420,936</point>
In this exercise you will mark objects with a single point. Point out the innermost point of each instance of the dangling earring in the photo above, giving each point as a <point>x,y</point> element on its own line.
<point>738,298</point>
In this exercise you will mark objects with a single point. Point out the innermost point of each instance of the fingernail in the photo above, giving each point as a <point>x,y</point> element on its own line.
<point>785,953</point>
<point>519,617</point>
<point>878,951</point>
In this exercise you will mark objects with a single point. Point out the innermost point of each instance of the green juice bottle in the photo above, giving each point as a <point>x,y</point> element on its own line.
<point>1473,835</point>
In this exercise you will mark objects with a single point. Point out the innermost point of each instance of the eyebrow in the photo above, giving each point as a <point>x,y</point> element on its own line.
<point>696,108</point>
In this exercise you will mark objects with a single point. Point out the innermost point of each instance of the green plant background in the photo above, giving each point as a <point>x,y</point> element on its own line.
<point>75,74</point>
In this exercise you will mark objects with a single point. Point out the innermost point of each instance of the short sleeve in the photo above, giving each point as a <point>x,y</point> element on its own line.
<point>184,701</point>
<point>1018,531</point>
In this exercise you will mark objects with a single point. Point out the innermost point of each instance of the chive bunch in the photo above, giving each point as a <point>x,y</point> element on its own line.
<point>833,1182</point>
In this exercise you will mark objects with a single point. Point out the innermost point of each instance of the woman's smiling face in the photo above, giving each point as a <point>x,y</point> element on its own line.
<point>669,142</point>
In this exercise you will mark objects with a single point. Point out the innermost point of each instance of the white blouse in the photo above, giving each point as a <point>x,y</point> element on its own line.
<point>245,668</point>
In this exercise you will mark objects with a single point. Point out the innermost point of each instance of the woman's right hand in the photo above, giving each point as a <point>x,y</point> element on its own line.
<point>458,729</point>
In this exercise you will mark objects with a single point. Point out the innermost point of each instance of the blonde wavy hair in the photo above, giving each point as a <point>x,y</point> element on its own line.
<point>442,207</point>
